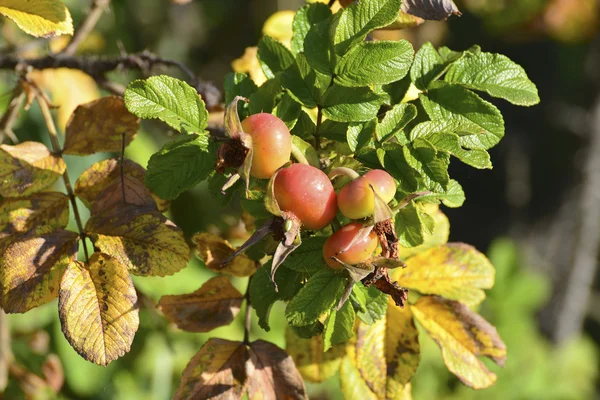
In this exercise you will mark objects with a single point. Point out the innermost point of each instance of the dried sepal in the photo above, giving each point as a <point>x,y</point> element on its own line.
<point>291,241</point>
<point>220,256</point>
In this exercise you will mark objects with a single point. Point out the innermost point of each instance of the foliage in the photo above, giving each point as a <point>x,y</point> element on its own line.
<point>351,104</point>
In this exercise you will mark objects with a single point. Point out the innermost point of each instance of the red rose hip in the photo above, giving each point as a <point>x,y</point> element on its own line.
<point>356,200</point>
<point>337,245</point>
<point>271,143</point>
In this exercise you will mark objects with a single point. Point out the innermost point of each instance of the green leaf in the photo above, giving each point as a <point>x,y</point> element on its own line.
<point>172,101</point>
<point>334,130</point>
<point>308,331</point>
<point>274,57</point>
<point>304,127</point>
<point>410,226</point>
<point>180,165</point>
<point>263,100</point>
<point>374,63</point>
<point>237,84</point>
<point>394,158</point>
<point>495,74</point>
<point>375,303</point>
<point>361,135</point>
<point>345,104</point>
<point>308,258</point>
<point>288,110</point>
<point>320,293</point>
<point>481,121</point>
<point>339,327</point>
<point>453,196</point>
<point>300,148</point>
<point>352,24</point>
<point>316,47</point>
<point>450,143</point>
<point>301,82</point>
<point>394,121</point>
<point>304,19</point>
<point>427,67</point>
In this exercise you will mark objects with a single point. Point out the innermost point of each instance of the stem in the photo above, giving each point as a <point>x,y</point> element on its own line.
<point>345,171</point>
<point>5,350</point>
<point>88,24</point>
<point>57,149</point>
<point>12,113</point>
<point>298,155</point>
<point>317,133</point>
<point>248,315</point>
<point>121,172</point>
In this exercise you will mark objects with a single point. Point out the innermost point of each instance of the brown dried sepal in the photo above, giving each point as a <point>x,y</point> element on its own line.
<point>382,281</point>
<point>231,154</point>
<point>386,233</point>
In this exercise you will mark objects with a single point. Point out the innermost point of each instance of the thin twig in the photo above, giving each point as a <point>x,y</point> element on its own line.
<point>12,113</point>
<point>121,172</point>
<point>57,149</point>
<point>317,128</point>
<point>87,25</point>
<point>5,350</point>
<point>248,315</point>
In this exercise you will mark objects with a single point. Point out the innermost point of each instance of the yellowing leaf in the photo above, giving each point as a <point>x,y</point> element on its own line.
<point>249,64</point>
<point>21,214</point>
<point>272,374</point>
<point>98,308</point>
<point>456,271</point>
<point>279,27</point>
<point>215,304</point>
<point>99,126</point>
<point>313,364</point>
<point>31,268</point>
<point>127,190</point>
<point>40,18</point>
<point>352,383</point>
<point>28,168</point>
<point>463,335</point>
<point>402,350</point>
<point>217,372</point>
<point>441,231</point>
<point>144,241</point>
<point>213,250</point>
<point>107,173</point>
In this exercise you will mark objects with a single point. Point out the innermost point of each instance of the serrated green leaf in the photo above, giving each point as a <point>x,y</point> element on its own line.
<point>495,74</point>
<point>288,110</point>
<point>374,63</point>
<point>172,101</point>
<point>394,121</point>
<point>264,98</point>
<point>315,48</point>
<point>304,127</point>
<point>301,86</point>
<point>452,197</point>
<point>305,18</point>
<point>409,226</point>
<point>461,107</point>
<point>180,165</point>
<point>375,303</point>
<point>318,296</point>
<point>308,258</point>
<point>345,104</point>
<point>237,84</point>
<point>352,24</point>
<point>361,135</point>
<point>450,143</point>
<point>274,57</point>
<point>308,331</point>
<point>427,67</point>
<point>334,130</point>
<point>339,327</point>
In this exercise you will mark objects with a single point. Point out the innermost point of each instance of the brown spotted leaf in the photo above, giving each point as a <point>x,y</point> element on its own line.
<point>21,214</point>
<point>313,364</point>
<point>215,304</point>
<point>456,271</point>
<point>106,173</point>
<point>98,308</point>
<point>27,168</point>
<point>31,269</point>
<point>272,374</point>
<point>463,335</point>
<point>124,191</point>
<point>214,250</point>
<point>143,240</point>
<point>217,372</point>
<point>99,126</point>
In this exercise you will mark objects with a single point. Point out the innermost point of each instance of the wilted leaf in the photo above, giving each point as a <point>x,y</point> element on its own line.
<point>313,364</point>
<point>31,269</point>
<point>144,241</point>
<point>402,349</point>
<point>99,126</point>
<point>106,173</point>
<point>215,304</point>
<point>98,308</point>
<point>213,250</point>
<point>430,9</point>
<point>128,190</point>
<point>462,335</point>
<point>25,213</point>
<point>40,18</point>
<point>217,372</point>
<point>455,271</point>
<point>27,168</point>
<point>272,374</point>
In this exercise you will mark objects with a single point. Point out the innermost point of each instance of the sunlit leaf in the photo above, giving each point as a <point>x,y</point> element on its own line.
<point>402,349</point>
<point>28,168</point>
<point>144,241</point>
<point>455,271</point>
<point>272,374</point>
<point>21,214</point>
<point>440,234</point>
<point>462,335</point>
<point>40,18</point>
<point>98,308</point>
<point>215,304</point>
<point>279,26</point>
<point>217,372</point>
<point>213,250</point>
<point>339,326</point>
<point>31,269</point>
<point>249,64</point>
<point>99,126</point>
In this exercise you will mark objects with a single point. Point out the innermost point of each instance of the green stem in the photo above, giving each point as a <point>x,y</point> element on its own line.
<point>343,171</point>
<point>298,155</point>
<point>248,315</point>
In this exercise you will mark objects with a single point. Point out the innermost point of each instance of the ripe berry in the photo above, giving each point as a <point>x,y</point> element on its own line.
<point>271,143</point>
<point>337,245</point>
<point>306,192</point>
<point>356,200</point>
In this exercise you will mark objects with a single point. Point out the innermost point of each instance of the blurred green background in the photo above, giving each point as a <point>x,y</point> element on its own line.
<point>528,213</point>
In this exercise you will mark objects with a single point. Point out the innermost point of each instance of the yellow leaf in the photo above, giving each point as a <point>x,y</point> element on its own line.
<point>106,173</point>
<point>215,304</point>
<point>98,308</point>
<point>279,27</point>
<point>352,384</point>
<point>31,268</point>
<point>404,21</point>
<point>463,335</point>
<point>456,271</point>
<point>127,190</point>
<point>402,350</point>
<point>249,64</point>
<point>313,364</point>
<point>99,126</point>
<point>27,168</point>
<point>440,233</point>
<point>217,372</point>
<point>40,18</point>
<point>213,250</point>
<point>21,214</point>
